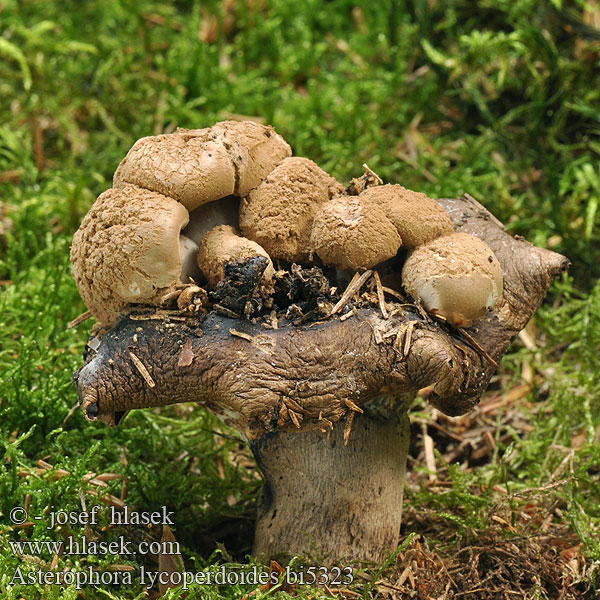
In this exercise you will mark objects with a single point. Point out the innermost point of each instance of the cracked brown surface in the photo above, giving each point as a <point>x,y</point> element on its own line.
<point>348,234</point>
<point>279,213</point>
<point>417,218</point>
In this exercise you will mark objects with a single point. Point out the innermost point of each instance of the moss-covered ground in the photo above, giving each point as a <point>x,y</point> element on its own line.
<point>497,98</point>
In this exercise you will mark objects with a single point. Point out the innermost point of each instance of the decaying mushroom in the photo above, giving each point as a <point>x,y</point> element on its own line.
<point>222,245</point>
<point>318,380</point>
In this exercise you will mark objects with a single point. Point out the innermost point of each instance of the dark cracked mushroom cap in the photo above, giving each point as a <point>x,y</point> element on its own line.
<point>322,403</point>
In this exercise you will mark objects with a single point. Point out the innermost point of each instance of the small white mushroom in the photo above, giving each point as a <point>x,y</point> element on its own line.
<point>456,276</point>
<point>222,245</point>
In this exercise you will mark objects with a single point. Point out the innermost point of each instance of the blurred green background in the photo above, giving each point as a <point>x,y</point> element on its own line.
<point>500,99</point>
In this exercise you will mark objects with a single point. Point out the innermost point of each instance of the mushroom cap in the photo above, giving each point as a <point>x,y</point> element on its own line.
<point>279,213</point>
<point>255,150</point>
<point>348,234</point>
<point>456,276</point>
<point>418,218</point>
<point>224,244</point>
<point>196,166</point>
<point>127,250</point>
<point>189,165</point>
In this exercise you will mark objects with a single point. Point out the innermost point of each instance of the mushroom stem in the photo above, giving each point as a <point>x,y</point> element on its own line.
<point>329,500</point>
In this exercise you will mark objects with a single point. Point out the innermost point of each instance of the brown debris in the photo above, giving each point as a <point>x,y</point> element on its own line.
<point>353,406</point>
<point>80,319</point>
<point>477,346</point>
<point>241,334</point>
<point>490,567</point>
<point>296,418</point>
<point>349,314</point>
<point>191,299</point>
<point>168,563</point>
<point>367,180</point>
<point>187,355</point>
<point>348,429</point>
<point>353,287</point>
<point>380,296</point>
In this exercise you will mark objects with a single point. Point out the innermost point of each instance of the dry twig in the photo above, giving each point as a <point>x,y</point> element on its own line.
<point>139,365</point>
<point>353,287</point>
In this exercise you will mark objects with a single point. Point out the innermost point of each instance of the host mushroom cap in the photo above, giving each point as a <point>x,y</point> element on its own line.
<point>327,397</point>
<point>279,213</point>
<point>348,234</point>
<point>418,218</point>
<point>456,276</point>
<point>319,381</point>
<point>127,250</point>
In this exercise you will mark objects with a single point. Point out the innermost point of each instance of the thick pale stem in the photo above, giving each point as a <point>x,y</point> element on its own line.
<point>332,501</point>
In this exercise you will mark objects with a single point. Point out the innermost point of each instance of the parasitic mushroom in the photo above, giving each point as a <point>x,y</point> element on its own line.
<point>417,218</point>
<point>455,276</point>
<point>128,250</point>
<point>279,213</point>
<point>197,166</point>
<point>318,381</point>
<point>222,245</point>
<point>348,234</point>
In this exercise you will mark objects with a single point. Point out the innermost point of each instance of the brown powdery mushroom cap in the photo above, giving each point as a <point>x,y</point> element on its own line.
<point>196,166</point>
<point>255,150</point>
<point>456,276</point>
<point>127,250</point>
<point>348,234</point>
<point>279,213</point>
<point>222,245</point>
<point>418,218</point>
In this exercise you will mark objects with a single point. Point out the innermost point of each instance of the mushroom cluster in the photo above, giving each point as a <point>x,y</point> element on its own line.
<point>225,271</point>
<point>185,205</point>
